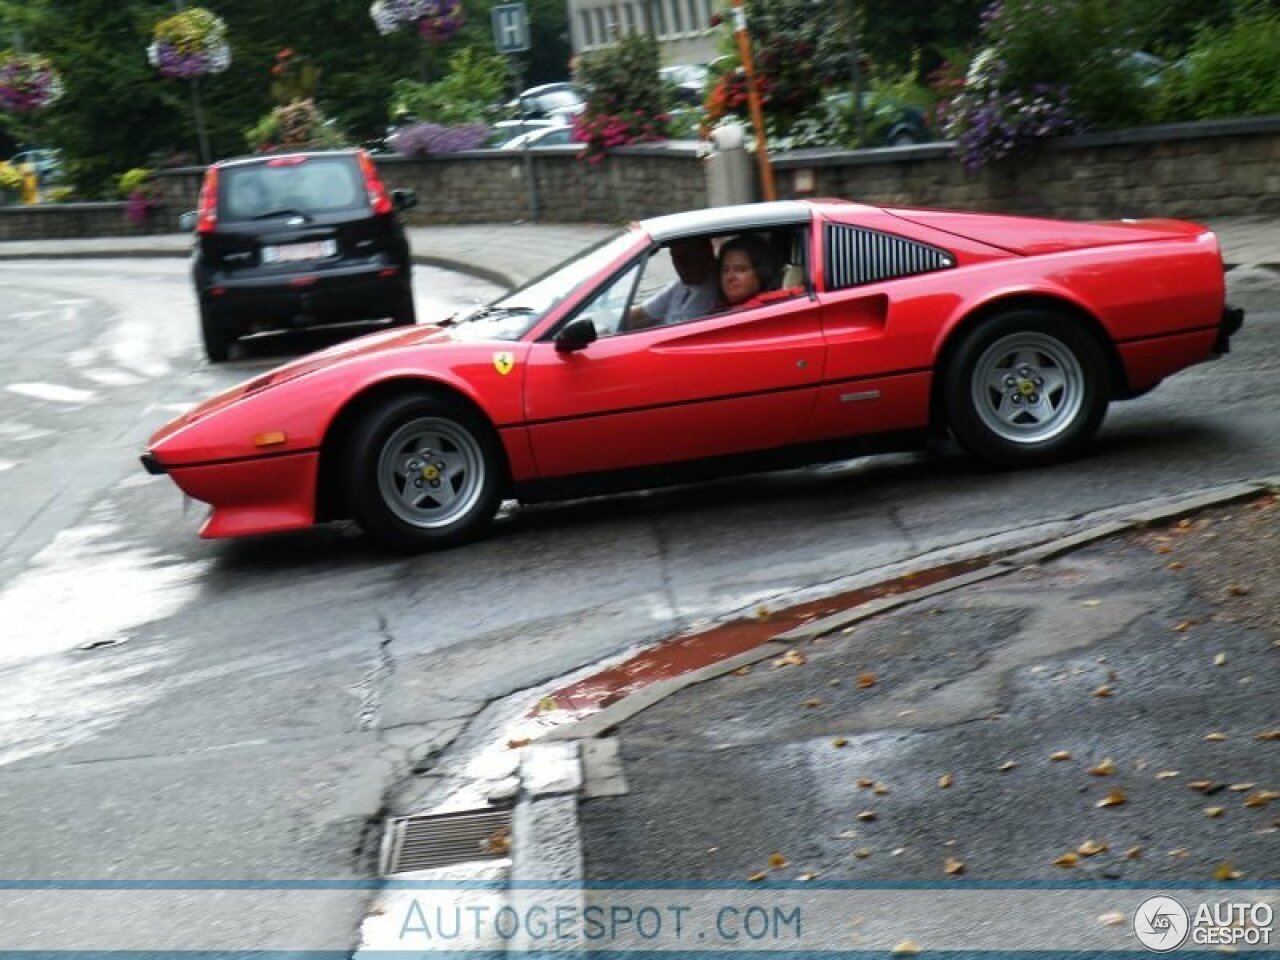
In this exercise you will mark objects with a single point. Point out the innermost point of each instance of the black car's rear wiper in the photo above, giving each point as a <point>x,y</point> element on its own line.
<point>286,212</point>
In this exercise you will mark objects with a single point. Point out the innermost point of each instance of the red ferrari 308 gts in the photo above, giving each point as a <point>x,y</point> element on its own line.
<point>874,328</point>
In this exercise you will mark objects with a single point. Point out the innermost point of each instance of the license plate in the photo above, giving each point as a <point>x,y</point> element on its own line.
<point>292,252</point>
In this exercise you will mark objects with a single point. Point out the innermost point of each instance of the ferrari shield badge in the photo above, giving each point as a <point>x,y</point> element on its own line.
<point>504,361</point>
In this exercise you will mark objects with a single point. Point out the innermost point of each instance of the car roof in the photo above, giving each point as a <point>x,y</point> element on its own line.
<point>747,216</point>
<point>257,158</point>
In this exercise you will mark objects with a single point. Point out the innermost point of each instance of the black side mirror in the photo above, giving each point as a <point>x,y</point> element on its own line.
<point>404,199</point>
<point>187,221</point>
<point>576,335</point>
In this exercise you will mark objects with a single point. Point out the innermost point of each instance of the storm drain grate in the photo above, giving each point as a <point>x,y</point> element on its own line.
<point>439,840</point>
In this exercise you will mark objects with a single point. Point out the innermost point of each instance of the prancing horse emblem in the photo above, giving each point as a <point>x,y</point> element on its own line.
<point>504,362</point>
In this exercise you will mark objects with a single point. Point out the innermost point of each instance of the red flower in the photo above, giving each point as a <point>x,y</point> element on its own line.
<point>284,54</point>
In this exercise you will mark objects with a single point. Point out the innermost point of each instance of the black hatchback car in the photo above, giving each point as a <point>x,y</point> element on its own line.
<point>286,241</point>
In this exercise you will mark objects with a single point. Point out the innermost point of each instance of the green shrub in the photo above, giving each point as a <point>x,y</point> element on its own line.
<point>1230,72</point>
<point>469,94</point>
<point>295,126</point>
<point>132,181</point>
<point>628,99</point>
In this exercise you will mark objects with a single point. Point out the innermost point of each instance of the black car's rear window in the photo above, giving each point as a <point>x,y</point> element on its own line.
<point>290,184</point>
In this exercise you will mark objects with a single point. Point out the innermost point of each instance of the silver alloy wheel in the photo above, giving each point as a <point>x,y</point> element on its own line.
<point>1027,387</point>
<point>431,472</point>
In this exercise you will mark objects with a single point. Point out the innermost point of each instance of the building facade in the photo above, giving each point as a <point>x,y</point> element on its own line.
<point>682,27</point>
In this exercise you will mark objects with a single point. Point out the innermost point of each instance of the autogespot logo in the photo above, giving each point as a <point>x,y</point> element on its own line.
<point>1161,923</point>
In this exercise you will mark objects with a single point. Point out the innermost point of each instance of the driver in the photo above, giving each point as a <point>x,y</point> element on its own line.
<point>695,294</point>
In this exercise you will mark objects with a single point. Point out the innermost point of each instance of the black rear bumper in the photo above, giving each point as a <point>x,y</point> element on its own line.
<point>1232,321</point>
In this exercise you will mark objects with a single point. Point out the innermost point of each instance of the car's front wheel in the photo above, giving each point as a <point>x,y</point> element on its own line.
<point>423,471</point>
<point>1026,387</point>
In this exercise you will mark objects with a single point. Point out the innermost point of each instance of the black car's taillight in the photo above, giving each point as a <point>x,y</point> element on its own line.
<point>208,215</point>
<point>378,197</point>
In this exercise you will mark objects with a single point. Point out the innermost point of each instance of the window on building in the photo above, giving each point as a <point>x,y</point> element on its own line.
<point>697,21</point>
<point>587,28</point>
<point>629,17</point>
<point>677,16</point>
<point>602,26</point>
<point>658,15</point>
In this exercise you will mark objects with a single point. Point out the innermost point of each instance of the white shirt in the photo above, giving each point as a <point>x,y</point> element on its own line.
<point>677,302</point>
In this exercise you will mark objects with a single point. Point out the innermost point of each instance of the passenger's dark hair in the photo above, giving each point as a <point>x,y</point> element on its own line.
<point>763,260</point>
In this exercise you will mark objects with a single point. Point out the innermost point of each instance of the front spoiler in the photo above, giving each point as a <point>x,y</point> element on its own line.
<point>1232,321</point>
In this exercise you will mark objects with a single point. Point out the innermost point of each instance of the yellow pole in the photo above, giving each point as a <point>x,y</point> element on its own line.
<point>753,101</point>
<point>30,184</point>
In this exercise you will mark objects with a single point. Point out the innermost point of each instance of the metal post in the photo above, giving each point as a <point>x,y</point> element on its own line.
<point>197,107</point>
<point>753,101</point>
<point>531,182</point>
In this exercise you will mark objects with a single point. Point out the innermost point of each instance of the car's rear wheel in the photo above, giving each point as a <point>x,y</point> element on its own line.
<point>423,472</point>
<point>217,343</point>
<point>1026,387</point>
<point>404,315</point>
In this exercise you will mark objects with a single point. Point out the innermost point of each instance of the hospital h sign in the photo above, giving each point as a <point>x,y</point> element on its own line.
<point>510,28</point>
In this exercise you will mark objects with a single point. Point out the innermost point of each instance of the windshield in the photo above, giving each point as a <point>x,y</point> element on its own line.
<point>512,316</point>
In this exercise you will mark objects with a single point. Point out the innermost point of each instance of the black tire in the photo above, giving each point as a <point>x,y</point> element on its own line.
<point>404,315</point>
<point>451,455</point>
<point>1025,388</point>
<point>217,343</point>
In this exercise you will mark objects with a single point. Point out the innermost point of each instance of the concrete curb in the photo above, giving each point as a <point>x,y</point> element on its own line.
<point>546,836</point>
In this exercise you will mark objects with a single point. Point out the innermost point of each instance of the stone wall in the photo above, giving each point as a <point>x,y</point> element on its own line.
<point>1197,170</point>
<point>1220,168</point>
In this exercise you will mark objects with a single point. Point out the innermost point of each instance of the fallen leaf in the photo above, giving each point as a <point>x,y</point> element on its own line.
<point>792,658</point>
<point>880,789</point>
<point>498,842</point>
<point>547,704</point>
<point>1133,853</point>
<point>1185,525</point>
<point>907,948</point>
<point>839,742</point>
<point>1214,811</point>
<point>757,877</point>
<point>945,781</point>
<point>1103,691</point>
<point>1067,860</point>
<point>1167,774</point>
<point>1259,799</point>
<point>806,877</point>
<point>1104,769</point>
<point>1241,787</point>
<point>1215,737</point>
<point>517,744</point>
<point>762,612</point>
<point>866,680</point>
<point>1182,626</point>
<point>777,860</point>
<point>865,783</point>
<point>952,867</point>
<point>743,671</point>
<point>1115,798</point>
<point>862,853</point>
<point>1060,755</point>
<point>1237,590</point>
<point>1090,603</point>
<point>1180,852</point>
<point>1219,659</point>
<point>834,682</point>
<point>1092,848</point>
<point>1266,735</point>
<point>812,703</point>
<point>1164,548</point>
<point>1174,565</point>
<point>897,851</point>
<point>867,816</point>
<point>1113,919</point>
<point>1226,871</point>
<point>1008,765</point>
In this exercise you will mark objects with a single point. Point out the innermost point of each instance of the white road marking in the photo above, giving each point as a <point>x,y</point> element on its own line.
<point>7,465</point>
<point>53,391</point>
<point>113,378</point>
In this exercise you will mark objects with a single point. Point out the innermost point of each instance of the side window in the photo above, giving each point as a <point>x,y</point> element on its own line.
<point>855,256</point>
<point>607,308</point>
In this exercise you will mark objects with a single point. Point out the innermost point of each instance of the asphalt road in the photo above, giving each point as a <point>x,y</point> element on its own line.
<point>251,710</point>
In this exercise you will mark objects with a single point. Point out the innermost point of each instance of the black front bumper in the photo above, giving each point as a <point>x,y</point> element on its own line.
<point>153,466</point>
<point>1232,321</point>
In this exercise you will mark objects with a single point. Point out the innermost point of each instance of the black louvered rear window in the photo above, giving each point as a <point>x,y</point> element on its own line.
<point>856,256</point>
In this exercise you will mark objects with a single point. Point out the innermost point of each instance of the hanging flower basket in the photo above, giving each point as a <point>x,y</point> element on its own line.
<point>28,82</point>
<point>190,44</point>
<point>436,20</point>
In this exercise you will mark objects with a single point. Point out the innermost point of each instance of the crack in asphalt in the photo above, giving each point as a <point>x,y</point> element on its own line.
<point>375,681</point>
<point>664,570</point>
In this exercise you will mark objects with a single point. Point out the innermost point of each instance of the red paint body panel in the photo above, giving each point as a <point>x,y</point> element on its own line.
<point>837,364</point>
<point>739,382</point>
<point>263,495</point>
